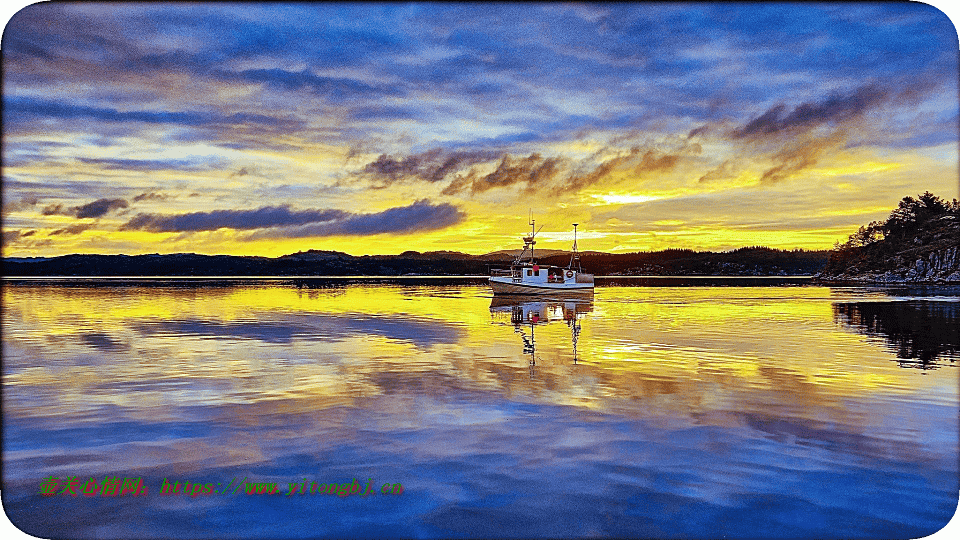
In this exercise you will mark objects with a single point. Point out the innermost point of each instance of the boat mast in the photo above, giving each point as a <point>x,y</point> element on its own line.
<point>533,224</point>
<point>575,256</point>
<point>528,243</point>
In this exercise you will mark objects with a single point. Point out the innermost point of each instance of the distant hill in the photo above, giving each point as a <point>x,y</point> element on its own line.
<point>918,243</point>
<point>750,261</point>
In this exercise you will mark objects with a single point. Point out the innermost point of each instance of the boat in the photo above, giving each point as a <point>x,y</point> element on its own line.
<point>527,276</point>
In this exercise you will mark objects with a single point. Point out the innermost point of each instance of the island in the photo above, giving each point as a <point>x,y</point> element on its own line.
<point>918,243</point>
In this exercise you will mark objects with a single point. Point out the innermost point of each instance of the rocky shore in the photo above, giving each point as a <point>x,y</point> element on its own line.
<point>918,244</point>
<point>936,267</point>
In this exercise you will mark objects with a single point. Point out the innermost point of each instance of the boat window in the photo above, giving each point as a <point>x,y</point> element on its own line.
<point>529,272</point>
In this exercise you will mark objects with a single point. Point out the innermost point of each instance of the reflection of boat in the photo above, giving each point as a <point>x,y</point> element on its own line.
<point>525,276</point>
<point>535,310</point>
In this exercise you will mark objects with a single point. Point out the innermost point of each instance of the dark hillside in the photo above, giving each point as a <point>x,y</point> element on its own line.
<point>747,261</point>
<point>919,242</point>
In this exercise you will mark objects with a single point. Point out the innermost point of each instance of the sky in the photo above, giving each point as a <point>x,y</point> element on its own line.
<point>267,129</point>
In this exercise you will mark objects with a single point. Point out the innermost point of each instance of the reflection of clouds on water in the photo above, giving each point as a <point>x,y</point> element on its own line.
<point>690,410</point>
<point>103,342</point>
<point>923,334</point>
<point>284,328</point>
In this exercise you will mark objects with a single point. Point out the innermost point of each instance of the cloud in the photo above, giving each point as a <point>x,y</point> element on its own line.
<point>725,170</point>
<point>95,209</point>
<point>55,210</point>
<point>635,162</point>
<point>98,208</point>
<point>267,216</point>
<point>9,237</point>
<point>18,108</point>
<point>835,108</point>
<point>433,165</point>
<point>72,229</point>
<point>601,171</point>
<point>337,89</point>
<point>419,216</point>
<point>25,203</point>
<point>151,196</point>
<point>142,164</point>
<point>799,156</point>
<point>533,170</point>
<point>384,112</point>
<point>697,131</point>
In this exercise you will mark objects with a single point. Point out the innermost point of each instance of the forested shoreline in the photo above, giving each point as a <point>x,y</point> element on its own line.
<point>748,261</point>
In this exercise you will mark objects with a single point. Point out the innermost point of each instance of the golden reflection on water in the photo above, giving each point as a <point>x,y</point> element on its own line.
<point>707,398</point>
<point>647,351</point>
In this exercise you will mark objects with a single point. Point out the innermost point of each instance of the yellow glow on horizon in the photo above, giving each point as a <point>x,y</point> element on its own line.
<point>624,198</point>
<point>856,169</point>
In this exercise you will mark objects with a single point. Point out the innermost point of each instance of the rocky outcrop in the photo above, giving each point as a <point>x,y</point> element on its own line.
<point>918,243</point>
<point>937,266</point>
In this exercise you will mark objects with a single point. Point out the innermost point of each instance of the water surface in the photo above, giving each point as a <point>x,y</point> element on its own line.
<point>675,411</point>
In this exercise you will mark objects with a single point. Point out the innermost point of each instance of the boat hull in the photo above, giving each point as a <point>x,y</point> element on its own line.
<point>507,286</point>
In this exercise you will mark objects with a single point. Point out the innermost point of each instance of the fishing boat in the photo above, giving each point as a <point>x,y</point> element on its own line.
<point>526,276</point>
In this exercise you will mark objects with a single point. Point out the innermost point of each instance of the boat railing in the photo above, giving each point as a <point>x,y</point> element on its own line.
<point>500,273</point>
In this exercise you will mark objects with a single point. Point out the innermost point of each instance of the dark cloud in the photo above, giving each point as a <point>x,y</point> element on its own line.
<point>836,108</point>
<point>534,171</point>
<point>72,229</point>
<point>143,164</point>
<point>18,109</point>
<point>384,112</point>
<point>636,162</point>
<point>151,196</point>
<point>26,203</point>
<point>9,237</point>
<point>99,208</point>
<point>656,161</point>
<point>725,170</point>
<point>95,209</point>
<point>55,210</point>
<point>419,216</point>
<point>537,173</point>
<point>799,156</point>
<point>697,131</point>
<point>433,165</point>
<point>267,216</point>
<point>46,186</point>
<point>337,89</point>
<point>601,171</point>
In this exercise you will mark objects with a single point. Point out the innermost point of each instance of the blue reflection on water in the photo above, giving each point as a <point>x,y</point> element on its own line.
<point>484,444</point>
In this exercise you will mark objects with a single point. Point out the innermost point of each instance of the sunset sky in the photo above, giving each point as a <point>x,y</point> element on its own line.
<point>267,129</point>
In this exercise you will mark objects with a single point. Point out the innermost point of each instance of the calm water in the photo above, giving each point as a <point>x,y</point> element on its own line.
<point>647,411</point>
